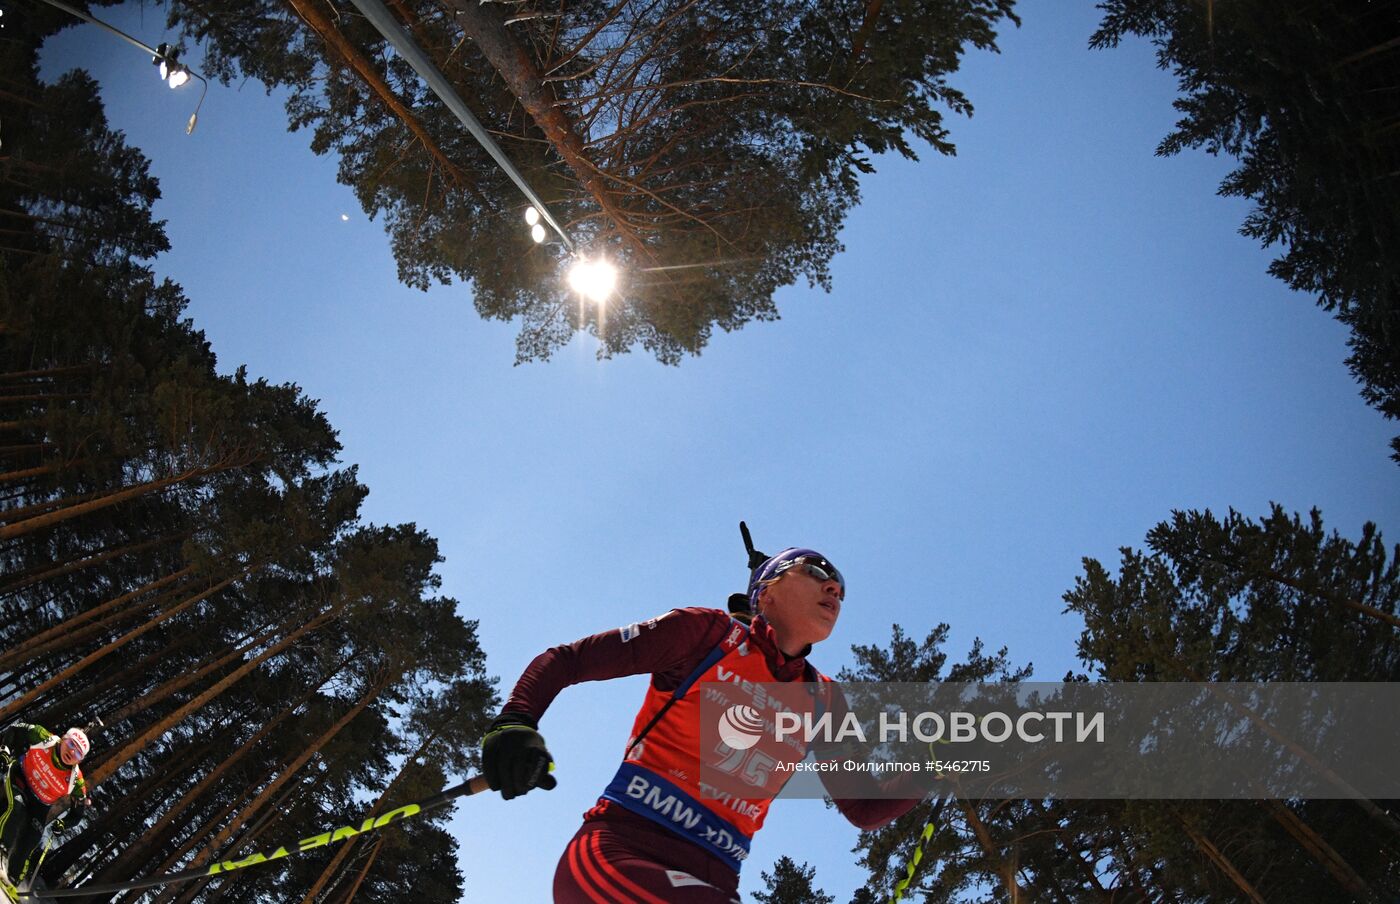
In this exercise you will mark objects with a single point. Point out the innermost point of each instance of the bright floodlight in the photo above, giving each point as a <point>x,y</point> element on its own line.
<point>537,232</point>
<point>178,77</point>
<point>532,216</point>
<point>594,280</point>
<point>164,69</point>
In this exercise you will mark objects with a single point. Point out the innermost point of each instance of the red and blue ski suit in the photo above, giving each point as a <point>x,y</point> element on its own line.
<point>632,848</point>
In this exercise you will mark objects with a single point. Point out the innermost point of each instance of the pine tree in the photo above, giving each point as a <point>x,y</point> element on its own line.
<point>791,884</point>
<point>711,149</point>
<point>179,547</point>
<point>971,846</point>
<point>1233,599</point>
<point>1303,96</point>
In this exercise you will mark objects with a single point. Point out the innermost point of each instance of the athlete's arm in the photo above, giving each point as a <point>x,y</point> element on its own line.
<point>20,736</point>
<point>666,647</point>
<point>866,801</point>
<point>872,814</point>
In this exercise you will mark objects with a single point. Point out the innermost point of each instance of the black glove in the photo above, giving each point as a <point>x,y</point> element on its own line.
<point>513,756</point>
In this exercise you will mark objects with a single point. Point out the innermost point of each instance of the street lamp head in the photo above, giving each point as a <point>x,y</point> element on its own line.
<point>167,62</point>
<point>164,57</point>
<point>164,60</point>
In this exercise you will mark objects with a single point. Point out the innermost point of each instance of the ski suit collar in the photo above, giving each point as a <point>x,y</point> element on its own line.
<point>51,745</point>
<point>784,667</point>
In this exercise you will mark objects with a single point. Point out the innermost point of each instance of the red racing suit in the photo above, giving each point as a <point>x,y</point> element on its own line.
<point>656,791</point>
<point>46,778</point>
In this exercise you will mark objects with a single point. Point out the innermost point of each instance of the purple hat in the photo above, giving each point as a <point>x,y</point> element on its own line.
<point>776,565</point>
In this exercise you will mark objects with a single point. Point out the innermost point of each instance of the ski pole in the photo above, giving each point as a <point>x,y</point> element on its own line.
<point>912,866</point>
<point>474,785</point>
<point>24,872</point>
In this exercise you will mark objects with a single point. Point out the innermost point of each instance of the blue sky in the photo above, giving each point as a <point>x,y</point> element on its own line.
<point>1033,353</point>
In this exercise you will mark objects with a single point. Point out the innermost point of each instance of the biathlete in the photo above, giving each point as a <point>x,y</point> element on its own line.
<point>42,779</point>
<point>632,847</point>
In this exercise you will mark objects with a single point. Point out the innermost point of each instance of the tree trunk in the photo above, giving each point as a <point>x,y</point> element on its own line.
<point>95,559</point>
<point>1335,599</point>
<point>110,624</point>
<point>188,677</point>
<point>1135,869</point>
<point>38,522</point>
<point>54,637</point>
<point>364,870</point>
<point>1220,860</point>
<point>157,835</point>
<point>1003,867</point>
<point>311,13</point>
<point>1318,848</point>
<point>1307,756</point>
<point>485,25</point>
<point>231,884</point>
<point>39,508</point>
<point>247,812</point>
<point>126,679</point>
<point>1071,847</point>
<point>117,760</point>
<point>15,706</point>
<point>37,471</point>
<point>286,775</point>
<point>867,28</point>
<point>67,371</point>
<point>249,836</point>
<point>169,891</point>
<point>347,844</point>
<point>1309,588</point>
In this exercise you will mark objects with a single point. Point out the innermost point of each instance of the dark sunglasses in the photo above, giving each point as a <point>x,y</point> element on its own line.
<point>818,568</point>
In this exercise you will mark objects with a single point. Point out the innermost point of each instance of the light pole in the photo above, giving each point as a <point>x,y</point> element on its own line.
<point>596,279</point>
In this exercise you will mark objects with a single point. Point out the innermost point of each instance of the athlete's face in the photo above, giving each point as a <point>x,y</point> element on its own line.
<point>69,753</point>
<point>801,608</point>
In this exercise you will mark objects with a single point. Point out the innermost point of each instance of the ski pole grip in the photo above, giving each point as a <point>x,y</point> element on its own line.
<point>477,783</point>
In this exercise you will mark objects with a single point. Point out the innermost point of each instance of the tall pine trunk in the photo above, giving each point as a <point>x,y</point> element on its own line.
<point>251,809</point>
<point>190,676</point>
<point>106,500</point>
<point>119,759</point>
<point>1223,863</point>
<point>364,870</point>
<point>486,26</point>
<point>28,580</point>
<point>20,703</point>
<point>160,831</point>
<point>1318,848</point>
<point>1005,869</point>
<point>65,634</point>
<point>349,843</point>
